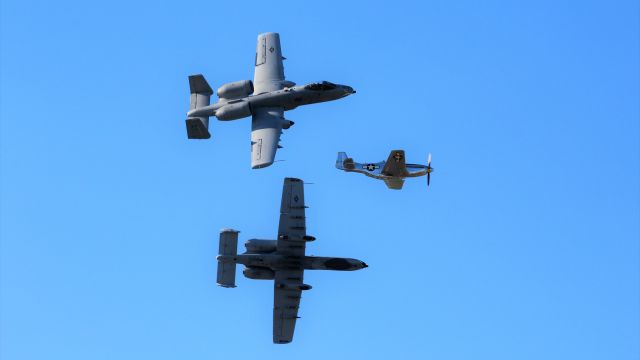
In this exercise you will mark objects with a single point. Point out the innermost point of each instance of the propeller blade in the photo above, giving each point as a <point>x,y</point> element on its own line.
<point>429,170</point>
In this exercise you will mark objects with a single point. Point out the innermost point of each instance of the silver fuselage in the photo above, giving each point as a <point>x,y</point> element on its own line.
<point>287,98</point>
<point>374,170</point>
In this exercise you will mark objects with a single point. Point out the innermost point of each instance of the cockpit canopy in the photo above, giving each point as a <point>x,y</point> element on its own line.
<point>322,86</point>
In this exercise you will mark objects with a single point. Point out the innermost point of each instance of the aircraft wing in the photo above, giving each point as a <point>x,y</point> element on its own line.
<point>266,127</point>
<point>286,302</point>
<point>395,165</point>
<point>292,228</point>
<point>394,183</point>
<point>269,71</point>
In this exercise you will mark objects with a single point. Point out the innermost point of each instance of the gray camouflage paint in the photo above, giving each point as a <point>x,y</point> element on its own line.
<point>265,100</point>
<point>282,260</point>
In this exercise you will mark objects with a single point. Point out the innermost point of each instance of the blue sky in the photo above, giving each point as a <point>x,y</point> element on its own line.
<point>525,247</point>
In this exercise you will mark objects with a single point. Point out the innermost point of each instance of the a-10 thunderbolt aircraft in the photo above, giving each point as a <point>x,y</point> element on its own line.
<point>265,100</point>
<point>282,260</point>
<point>393,171</point>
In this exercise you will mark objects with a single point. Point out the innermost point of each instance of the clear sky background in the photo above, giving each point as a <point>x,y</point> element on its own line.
<point>525,247</point>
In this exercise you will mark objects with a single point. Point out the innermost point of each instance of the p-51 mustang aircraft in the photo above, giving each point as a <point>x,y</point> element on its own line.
<point>282,260</point>
<point>265,100</point>
<point>393,171</point>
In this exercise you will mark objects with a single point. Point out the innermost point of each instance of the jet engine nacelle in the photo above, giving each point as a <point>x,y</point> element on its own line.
<point>234,111</point>
<point>236,90</point>
<point>259,273</point>
<point>260,246</point>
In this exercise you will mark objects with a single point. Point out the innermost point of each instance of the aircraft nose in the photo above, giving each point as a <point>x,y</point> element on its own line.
<point>349,90</point>
<point>364,265</point>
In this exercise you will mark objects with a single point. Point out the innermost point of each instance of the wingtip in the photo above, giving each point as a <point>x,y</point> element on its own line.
<point>261,165</point>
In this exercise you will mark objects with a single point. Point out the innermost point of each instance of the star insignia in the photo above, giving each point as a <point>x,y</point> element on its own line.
<point>370,167</point>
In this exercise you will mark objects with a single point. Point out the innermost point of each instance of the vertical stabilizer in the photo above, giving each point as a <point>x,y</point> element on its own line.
<point>342,156</point>
<point>198,127</point>
<point>226,262</point>
<point>344,162</point>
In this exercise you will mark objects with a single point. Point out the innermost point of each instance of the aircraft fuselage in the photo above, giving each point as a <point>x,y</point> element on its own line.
<point>373,170</point>
<point>277,261</point>
<point>287,98</point>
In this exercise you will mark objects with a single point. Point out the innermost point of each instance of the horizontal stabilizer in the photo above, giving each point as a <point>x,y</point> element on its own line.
<point>226,268</point>
<point>196,129</point>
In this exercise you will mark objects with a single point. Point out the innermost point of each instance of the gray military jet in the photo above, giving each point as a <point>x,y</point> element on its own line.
<point>393,171</point>
<point>265,100</point>
<point>282,260</point>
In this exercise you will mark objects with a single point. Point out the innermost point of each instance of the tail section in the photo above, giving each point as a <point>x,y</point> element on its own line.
<point>226,262</point>
<point>344,162</point>
<point>198,127</point>
<point>342,156</point>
